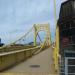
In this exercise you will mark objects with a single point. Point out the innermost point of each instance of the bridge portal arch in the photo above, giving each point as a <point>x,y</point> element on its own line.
<point>46,29</point>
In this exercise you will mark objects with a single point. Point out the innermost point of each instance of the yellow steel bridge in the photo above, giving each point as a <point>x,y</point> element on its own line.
<point>44,57</point>
<point>33,58</point>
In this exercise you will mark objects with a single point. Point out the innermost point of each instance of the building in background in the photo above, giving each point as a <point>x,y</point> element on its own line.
<point>66,24</point>
<point>1,44</point>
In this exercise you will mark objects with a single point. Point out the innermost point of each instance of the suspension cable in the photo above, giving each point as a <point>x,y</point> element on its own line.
<point>55,16</point>
<point>17,40</point>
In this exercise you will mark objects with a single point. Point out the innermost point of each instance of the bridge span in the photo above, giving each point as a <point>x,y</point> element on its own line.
<point>32,58</point>
<point>41,63</point>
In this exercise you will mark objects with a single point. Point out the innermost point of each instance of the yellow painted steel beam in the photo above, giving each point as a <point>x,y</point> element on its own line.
<point>45,28</point>
<point>35,34</point>
<point>55,15</point>
<point>56,49</point>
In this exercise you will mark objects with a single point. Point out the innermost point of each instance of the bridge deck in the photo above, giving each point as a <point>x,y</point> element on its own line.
<point>40,63</point>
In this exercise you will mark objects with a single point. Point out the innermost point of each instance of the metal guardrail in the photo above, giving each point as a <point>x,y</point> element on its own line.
<point>12,52</point>
<point>9,59</point>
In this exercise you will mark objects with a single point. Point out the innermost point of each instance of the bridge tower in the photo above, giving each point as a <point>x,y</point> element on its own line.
<point>45,28</point>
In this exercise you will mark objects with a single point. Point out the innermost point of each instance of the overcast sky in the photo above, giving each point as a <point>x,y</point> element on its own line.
<point>17,16</point>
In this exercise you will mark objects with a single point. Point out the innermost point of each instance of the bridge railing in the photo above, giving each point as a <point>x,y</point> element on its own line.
<point>9,59</point>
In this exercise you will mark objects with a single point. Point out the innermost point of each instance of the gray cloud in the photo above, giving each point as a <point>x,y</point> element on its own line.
<point>19,15</point>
